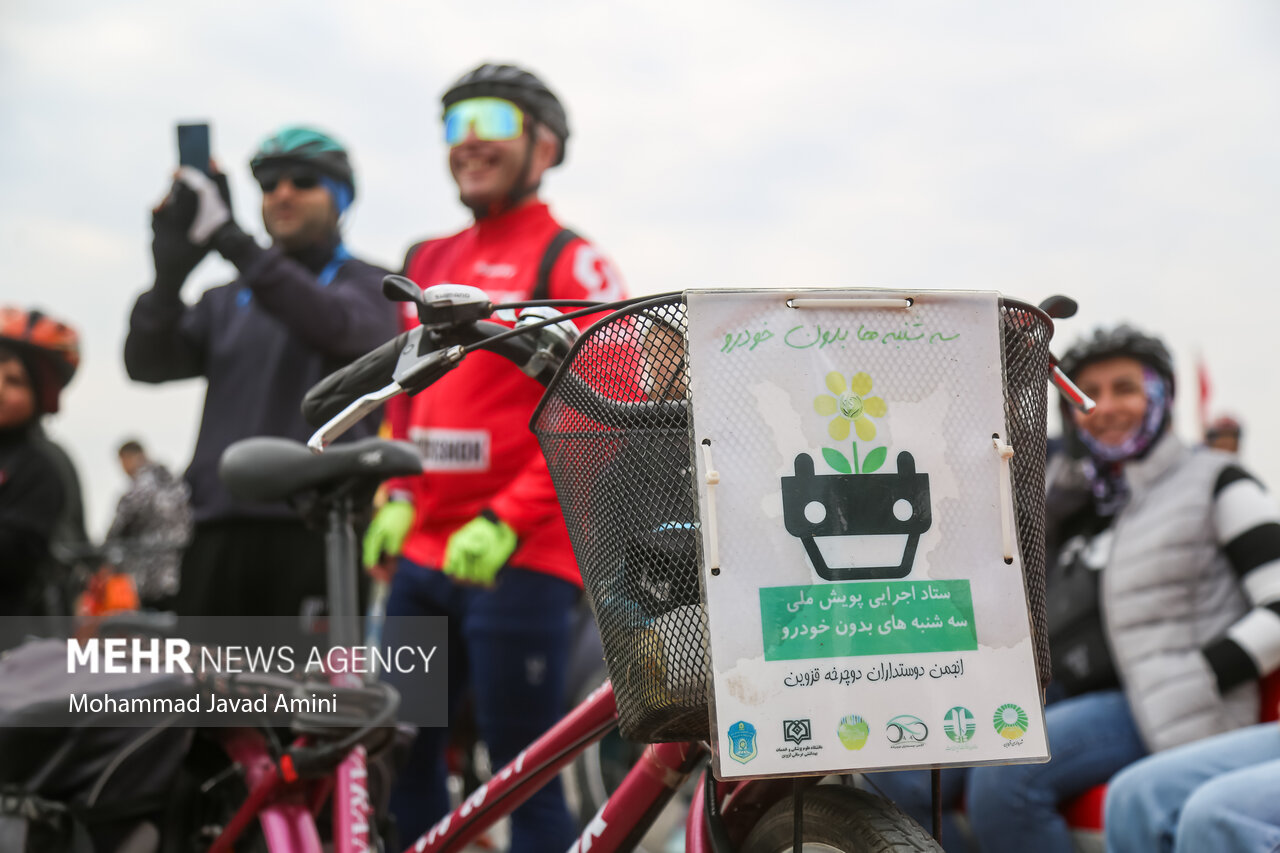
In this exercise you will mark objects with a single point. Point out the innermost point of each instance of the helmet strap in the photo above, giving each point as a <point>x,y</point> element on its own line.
<point>521,188</point>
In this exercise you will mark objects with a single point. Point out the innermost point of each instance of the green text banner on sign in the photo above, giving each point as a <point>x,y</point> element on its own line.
<point>852,619</point>
<point>862,615</point>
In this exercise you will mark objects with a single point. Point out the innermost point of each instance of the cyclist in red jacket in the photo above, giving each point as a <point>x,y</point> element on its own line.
<point>481,533</point>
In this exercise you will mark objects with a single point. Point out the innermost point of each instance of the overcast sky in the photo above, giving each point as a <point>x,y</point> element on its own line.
<point>1125,154</point>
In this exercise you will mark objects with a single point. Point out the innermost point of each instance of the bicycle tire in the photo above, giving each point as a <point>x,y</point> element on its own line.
<point>842,820</point>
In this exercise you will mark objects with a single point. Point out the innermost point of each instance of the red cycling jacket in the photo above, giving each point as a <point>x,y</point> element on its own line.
<point>472,425</point>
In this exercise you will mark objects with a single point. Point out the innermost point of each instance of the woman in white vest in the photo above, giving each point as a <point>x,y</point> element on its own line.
<point>1163,590</point>
<point>1163,580</point>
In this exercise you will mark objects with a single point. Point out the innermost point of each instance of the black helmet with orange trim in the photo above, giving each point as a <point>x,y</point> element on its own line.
<point>49,348</point>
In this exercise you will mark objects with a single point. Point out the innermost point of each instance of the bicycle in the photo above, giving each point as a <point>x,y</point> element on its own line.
<point>172,786</point>
<point>641,579</point>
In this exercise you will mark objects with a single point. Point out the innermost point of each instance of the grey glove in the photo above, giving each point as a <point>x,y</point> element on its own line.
<point>213,204</point>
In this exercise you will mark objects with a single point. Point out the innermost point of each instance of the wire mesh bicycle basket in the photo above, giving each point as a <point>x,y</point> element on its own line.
<point>615,428</point>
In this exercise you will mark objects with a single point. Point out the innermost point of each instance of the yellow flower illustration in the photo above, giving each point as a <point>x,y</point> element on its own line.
<point>850,404</point>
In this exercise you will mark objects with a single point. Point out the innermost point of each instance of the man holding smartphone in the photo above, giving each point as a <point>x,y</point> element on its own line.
<point>298,310</point>
<point>483,539</point>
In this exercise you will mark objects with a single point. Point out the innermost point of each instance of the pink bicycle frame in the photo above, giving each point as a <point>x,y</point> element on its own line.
<point>286,809</point>
<point>352,810</point>
<point>625,815</point>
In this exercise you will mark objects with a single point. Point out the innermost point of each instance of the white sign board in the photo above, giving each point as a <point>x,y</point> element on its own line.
<point>862,615</point>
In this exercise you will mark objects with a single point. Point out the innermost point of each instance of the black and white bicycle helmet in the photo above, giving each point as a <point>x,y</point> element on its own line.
<point>522,88</point>
<point>1123,341</point>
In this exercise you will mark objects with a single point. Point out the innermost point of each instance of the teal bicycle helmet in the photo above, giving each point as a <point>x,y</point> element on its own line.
<point>305,146</point>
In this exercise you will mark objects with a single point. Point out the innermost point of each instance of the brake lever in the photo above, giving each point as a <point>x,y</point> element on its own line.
<point>411,375</point>
<point>1070,390</point>
<point>1060,307</point>
<point>350,416</point>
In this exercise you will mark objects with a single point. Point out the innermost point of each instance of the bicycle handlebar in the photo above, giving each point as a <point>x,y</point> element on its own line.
<point>453,325</point>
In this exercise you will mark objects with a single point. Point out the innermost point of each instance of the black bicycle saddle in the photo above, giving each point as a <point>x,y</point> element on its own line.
<point>266,468</point>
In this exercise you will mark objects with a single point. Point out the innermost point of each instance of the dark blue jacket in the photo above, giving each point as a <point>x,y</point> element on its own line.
<point>261,342</point>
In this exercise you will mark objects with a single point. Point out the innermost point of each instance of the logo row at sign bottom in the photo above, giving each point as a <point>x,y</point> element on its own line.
<point>959,725</point>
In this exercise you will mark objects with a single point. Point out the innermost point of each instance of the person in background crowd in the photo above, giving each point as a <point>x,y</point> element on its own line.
<point>151,527</point>
<point>38,357</point>
<point>1163,581</point>
<point>299,310</point>
<point>481,532</point>
<point>1224,434</point>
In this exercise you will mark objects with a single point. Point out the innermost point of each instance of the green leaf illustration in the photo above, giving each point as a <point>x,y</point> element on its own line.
<point>836,460</point>
<point>874,459</point>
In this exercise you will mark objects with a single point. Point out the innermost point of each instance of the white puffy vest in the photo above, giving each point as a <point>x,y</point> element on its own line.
<point>1167,592</point>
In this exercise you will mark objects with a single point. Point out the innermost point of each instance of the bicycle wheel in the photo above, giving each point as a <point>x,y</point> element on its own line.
<point>840,820</point>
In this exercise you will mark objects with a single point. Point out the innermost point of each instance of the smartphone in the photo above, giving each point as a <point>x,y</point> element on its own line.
<point>193,146</point>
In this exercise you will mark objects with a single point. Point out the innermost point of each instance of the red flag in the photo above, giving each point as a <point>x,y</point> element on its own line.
<point>1202,374</point>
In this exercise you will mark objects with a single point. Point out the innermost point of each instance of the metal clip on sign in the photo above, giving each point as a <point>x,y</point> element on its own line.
<point>845,302</point>
<point>713,480</point>
<point>1006,497</point>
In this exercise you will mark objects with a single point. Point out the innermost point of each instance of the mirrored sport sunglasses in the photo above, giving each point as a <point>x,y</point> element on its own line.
<point>302,178</point>
<point>492,120</point>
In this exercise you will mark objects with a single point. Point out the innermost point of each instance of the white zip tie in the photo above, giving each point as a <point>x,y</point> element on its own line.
<point>1006,497</point>
<point>845,302</point>
<point>712,480</point>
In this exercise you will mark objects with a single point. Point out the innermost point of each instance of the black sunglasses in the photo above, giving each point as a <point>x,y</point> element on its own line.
<point>302,179</point>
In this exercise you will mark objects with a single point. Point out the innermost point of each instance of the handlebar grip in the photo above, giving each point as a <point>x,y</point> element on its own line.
<point>365,375</point>
<point>517,349</point>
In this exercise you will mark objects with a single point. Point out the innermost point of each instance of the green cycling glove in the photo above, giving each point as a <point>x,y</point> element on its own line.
<point>478,549</point>
<point>387,532</point>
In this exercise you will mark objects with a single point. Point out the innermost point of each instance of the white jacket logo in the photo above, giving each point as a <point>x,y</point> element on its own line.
<point>452,449</point>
